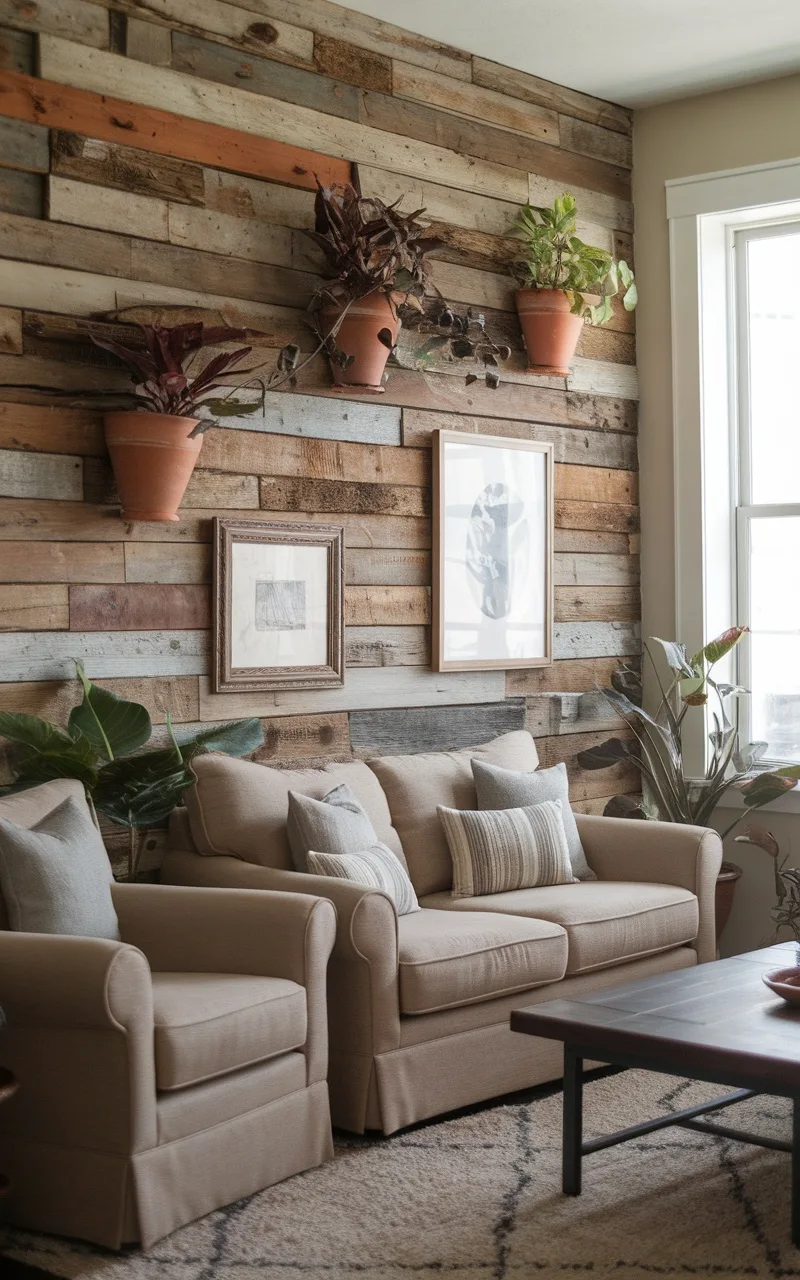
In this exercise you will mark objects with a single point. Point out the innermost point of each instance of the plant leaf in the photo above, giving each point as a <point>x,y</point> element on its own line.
<point>234,738</point>
<point>625,807</point>
<point>113,725</point>
<point>613,751</point>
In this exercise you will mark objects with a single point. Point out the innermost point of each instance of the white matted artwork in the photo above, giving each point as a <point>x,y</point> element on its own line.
<point>278,605</point>
<point>493,552</point>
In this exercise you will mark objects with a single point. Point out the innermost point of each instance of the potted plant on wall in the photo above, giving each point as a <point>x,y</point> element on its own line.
<point>657,749</point>
<point>154,447</point>
<point>564,283</point>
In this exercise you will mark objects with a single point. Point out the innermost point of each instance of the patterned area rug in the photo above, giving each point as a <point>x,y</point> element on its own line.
<point>478,1197</point>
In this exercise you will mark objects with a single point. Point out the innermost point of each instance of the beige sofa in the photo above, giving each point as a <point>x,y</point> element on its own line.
<point>419,1006</point>
<point>167,1074</point>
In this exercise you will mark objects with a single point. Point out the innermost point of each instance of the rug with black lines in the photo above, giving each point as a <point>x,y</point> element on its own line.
<point>477,1197</point>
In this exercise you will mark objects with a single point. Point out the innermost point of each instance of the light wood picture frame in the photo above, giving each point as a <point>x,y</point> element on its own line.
<point>278,592</point>
<point>493,523</point>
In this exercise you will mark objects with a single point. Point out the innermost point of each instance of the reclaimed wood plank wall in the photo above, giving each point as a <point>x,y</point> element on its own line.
<point>158,157</point>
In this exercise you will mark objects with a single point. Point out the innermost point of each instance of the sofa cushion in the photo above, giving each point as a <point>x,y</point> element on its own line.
<point>241,808</point>
<point>449,959</point>
<point>207,1024</point>
<point>416,785</point>
<point>607,921</point>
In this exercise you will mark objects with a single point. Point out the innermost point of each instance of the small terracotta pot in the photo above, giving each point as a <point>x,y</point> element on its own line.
<point>550,329</point>
<point>358,337</point>
<point>153,459</point>
<point>729,875</point>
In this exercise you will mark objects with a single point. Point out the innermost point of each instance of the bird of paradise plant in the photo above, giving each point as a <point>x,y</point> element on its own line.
<point>657,746</point>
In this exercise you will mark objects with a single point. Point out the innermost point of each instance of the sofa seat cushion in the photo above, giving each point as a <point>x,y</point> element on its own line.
<point>607,921</point>
<point>207,1024</point>
<point>449,959</point>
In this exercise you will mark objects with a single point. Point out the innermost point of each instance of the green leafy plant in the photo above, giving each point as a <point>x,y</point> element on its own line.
<point>102,748</point>
<point>555,258</point>
<point>657,746</point>
<point>786,912</point>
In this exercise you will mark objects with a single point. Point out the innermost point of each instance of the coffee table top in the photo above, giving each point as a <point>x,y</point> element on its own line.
<point>718,1021</point>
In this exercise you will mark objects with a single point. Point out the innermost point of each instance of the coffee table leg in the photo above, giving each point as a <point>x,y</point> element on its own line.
<point>572,1132</point>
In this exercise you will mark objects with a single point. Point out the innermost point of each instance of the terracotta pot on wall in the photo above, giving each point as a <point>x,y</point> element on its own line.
<point>728,877</point>
<point>550,329</point>
<point>153,459</point>
<point>358,337</point>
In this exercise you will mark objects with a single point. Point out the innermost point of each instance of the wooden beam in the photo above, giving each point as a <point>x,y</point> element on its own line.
<point>99,115</point>
<point>10,331</point>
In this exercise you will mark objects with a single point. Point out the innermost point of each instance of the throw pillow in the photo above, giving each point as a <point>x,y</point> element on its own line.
<point>508,789</point>
<point>375,868</point>
<point>498,850</point>
<point>56,876</point>
<point>337,823</point>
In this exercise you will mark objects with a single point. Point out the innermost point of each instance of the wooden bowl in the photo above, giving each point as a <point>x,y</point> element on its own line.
<point>785,983</point>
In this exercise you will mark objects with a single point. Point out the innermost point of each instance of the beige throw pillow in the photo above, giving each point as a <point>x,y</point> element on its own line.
<point>499,850</point>
<point>374,868</point>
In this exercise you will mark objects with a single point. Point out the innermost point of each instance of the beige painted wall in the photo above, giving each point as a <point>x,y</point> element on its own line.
<point>750,125</point>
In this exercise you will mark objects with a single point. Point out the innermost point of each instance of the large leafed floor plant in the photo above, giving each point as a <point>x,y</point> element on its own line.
<point>656,747</point>
<point>102,746</point>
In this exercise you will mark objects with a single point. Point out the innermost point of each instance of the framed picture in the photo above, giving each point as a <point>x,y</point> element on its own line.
<point>493,552</point>
<point>278,605</point>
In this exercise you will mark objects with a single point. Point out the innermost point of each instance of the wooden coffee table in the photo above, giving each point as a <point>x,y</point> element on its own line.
<point>717,1022</point>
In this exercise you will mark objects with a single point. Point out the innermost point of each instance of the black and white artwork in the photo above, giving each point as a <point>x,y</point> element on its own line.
<point>280,606</point>
<point>494,534</point>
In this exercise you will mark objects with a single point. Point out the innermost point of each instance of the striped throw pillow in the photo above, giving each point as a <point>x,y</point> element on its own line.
<point>375,868</point>
<point>498,850</point>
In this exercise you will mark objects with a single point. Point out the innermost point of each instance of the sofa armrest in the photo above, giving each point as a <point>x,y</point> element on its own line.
<point>661,853</point>
<point>50,980</point>
<point>363,984</point>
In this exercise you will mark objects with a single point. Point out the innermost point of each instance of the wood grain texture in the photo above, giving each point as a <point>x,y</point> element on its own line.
<point>17,51</point>
<point>167,562</point>
<point>10,331</point>
<point>588,570</point>
<point>387,606</point>
<point>390,568</point>
<point>605,604</point>
<point>304,737</point>
<point>147,42</point>
<point>397,732</point>
<point>229,23</point>
<point>586,784</point>
<point>570,444</point>
<point>22,193</point>
<point>268,455</point>
<point>23,146</point>
<point>40,475</point>
<point>53,700</point>
<point>48,429</point>
<point>596,484</point>
<point>611,516</point>
<point>528,88</point>
<point>139,607</point>
<point>547,714</point>
<point>62,562</point>
<point>205,488</point>
<point>595,639</point>
<point>572,675</point>
<point>85,205</point>
<point>403,646</point>
<point>101,115</point>
<point>33,607</point>
<point>49,655</point>
<point>84,21</point>
<point>129,169</point>
<point>594,140</point>
<point>292,493</point>
<point>471,100</point>
<point>343,61</point>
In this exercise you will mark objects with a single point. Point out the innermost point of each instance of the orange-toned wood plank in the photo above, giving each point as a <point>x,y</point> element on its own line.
<point>96,116</point>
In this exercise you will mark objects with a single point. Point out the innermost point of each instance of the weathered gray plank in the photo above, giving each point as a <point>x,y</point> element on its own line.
<point>595,639</point>
<point>556,713</point>
<point>595,570</point>
<point>321,419</point>
<point>364,689</point>
<point>17,51</point>
<point>570,444</point>
<point>148,43</point>
<point>21,193</point>
<point>85,22</point>
<point>41,655</point>
<point>24,146</point>
<point>387,646</point>
<point>211,61</point>
<point>40,475</point>
<point>433,728</point>
<point>388,568</point>
<point>126,168</point>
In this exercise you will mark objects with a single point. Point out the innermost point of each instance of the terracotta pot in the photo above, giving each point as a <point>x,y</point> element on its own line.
<point>153,459</point>
<point>358,337</point>
<point>727,879</point>
<point>550,329</point>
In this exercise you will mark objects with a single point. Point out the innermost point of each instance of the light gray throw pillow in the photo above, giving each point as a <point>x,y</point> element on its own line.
<point>507,789</point>
<point>374,868</point>
<point>335,824</point>
<point>56,876</point>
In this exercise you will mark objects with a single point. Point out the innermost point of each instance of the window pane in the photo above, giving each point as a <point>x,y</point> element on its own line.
<point>774,308</point>
<point>775,640</point>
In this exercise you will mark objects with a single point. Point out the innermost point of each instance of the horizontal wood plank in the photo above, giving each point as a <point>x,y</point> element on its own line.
<point>139,607</point>
<point>304,737</point>
<point>344,61</point>
<point>379,606</point>
<point>388,568</point>
<point>17,51</point>
<point>595,570</point>
<point>585,784</point>
<point>10,331</point>
<point>365,688</point>
<point>206,488</point>
<point>374,733</point>
<point>147,42</point>
<point>474,101</point>
<point>556,97</point>
<point>85,22</point>
<point>129,169</point>
<point>547,714</point>
<point>62,562</point>
<point>605,604</point>
<point>22,193</point>
<point>166,562</point>
<point>250,452</point>
<point>388,646</point>
<point>596,484</point>
<point>571,675</point>
<point>570,444</point>
<point>84,205</point>
<point>596,639</point>
<point>50,655</point>
<point>33,607</point>
<point>229,23</point>
<point>54,699</point>
<point>296,493</point>
<point>51,429</point>
<point>40,475</point>
<point>24,146</point>
<point>615,517</point>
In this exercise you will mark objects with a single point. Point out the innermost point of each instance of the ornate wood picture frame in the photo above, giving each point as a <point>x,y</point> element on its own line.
<point>278,593</point>
<point>493,522</point>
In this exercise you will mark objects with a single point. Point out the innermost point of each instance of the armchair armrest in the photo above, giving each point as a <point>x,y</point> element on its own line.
<point>661,853</point>
<point>363,984</point>
<point>274,935</point>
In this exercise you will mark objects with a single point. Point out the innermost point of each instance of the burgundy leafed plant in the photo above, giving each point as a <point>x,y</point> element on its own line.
<point>164,382</point>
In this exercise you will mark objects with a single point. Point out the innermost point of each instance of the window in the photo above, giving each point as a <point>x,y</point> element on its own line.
<point>767,358</point>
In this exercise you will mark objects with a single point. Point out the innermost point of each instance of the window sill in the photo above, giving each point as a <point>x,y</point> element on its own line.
<point>788,803</point>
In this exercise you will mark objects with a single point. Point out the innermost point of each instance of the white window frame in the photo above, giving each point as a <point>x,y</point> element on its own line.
<point>746,510</point>
<point>704,212</point>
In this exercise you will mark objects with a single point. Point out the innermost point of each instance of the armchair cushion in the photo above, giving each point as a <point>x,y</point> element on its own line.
<point>606,922</point>
<point>448,960</point>
<point>56,876</point>
<point>207,1024</point>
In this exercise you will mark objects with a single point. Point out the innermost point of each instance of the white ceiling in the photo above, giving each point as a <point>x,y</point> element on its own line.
<point>629,51</point>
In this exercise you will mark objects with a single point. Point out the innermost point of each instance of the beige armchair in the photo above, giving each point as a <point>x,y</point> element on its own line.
<point>165,1075</point>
